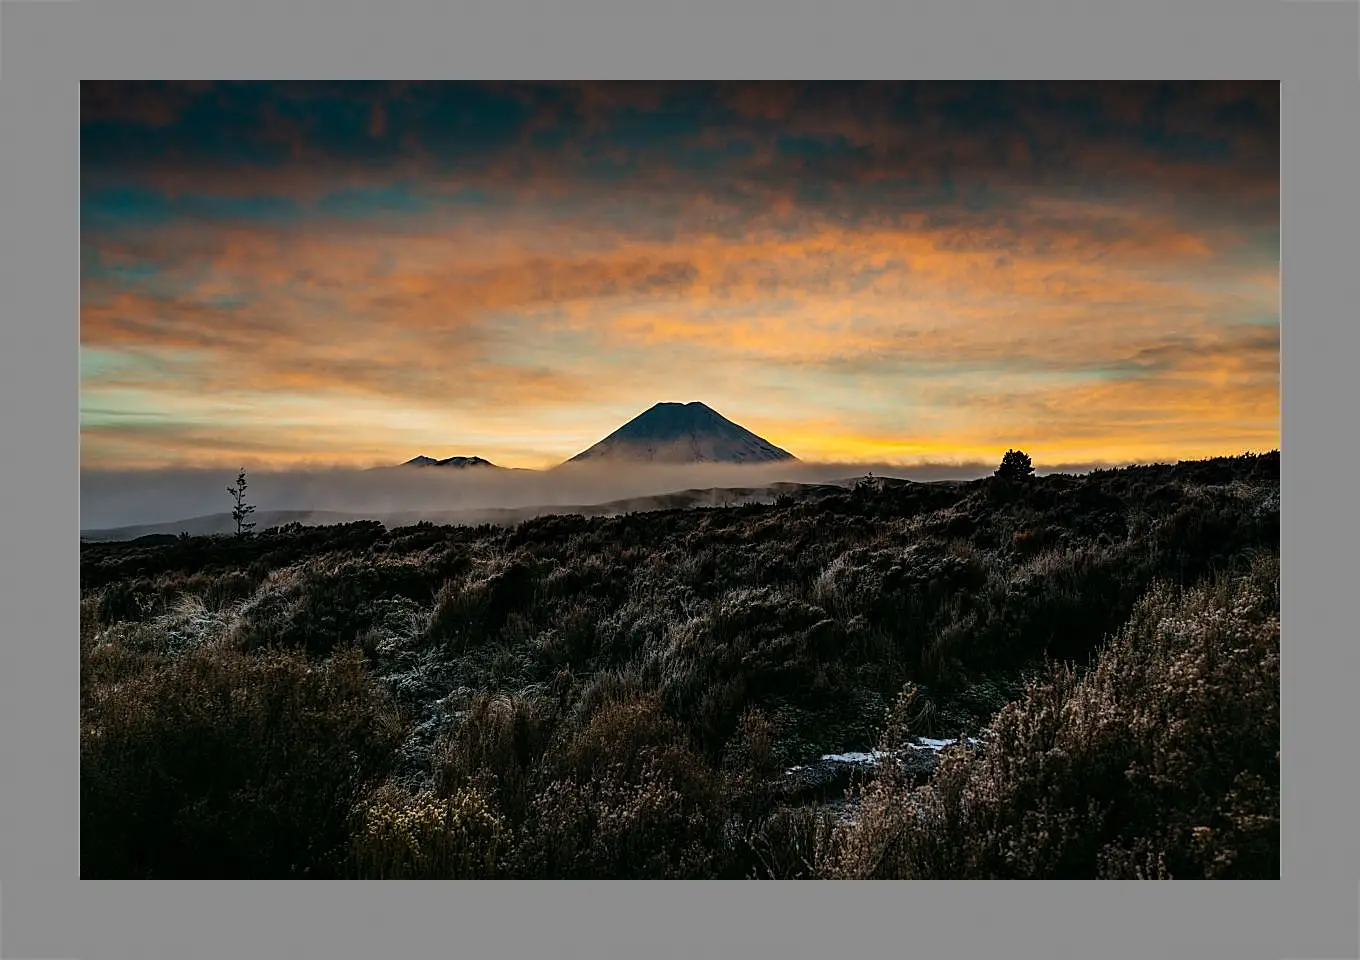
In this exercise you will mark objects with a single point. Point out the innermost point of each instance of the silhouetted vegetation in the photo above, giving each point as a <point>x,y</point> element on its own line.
<point>1015,465</point>
<point>240,510</point>
<point>586,697</point>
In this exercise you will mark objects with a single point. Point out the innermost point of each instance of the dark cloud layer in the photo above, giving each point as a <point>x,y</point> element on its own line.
<point>865,148</point>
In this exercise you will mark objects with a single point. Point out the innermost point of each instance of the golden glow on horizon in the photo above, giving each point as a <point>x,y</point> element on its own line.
<point>468,354</point>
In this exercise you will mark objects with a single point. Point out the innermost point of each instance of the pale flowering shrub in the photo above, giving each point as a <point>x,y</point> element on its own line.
<point>421,836</point>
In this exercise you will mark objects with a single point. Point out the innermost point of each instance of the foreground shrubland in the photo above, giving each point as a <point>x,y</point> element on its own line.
<point>575,698</point>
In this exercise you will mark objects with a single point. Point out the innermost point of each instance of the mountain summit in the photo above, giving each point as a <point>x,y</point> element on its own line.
<point>683,433</point>
<point>460,462</point>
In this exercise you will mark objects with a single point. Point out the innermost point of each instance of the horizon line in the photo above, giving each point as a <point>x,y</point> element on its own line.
<point>1054,466</point>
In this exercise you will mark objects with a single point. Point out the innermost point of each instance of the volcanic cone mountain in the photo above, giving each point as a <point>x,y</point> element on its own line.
<point>683,433</point>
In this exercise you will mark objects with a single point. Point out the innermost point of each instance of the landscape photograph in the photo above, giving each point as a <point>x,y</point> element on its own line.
<point>695,480</point>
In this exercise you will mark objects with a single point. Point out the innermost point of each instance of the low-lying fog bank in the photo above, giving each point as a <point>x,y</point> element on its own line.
<point>114,499</point>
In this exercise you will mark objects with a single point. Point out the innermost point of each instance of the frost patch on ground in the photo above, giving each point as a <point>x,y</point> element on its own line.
<point>426,684</point>
<point>832,773</point>
<point>874,757</point>
<point>193,630</point>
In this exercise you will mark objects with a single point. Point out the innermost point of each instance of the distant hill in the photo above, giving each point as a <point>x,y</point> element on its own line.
<point>217,523</point>
<point>683,433</point>
<point>458,462</point>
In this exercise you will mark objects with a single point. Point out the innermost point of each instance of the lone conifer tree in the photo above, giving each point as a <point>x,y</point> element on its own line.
<point>1015,465</point>
<point>241,510</point>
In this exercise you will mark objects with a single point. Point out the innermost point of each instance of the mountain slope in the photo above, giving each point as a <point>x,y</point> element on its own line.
<point>683,433</point>
<point>457,462</point>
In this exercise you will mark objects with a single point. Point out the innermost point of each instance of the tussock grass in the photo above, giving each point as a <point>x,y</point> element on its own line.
<point>1160,760</point>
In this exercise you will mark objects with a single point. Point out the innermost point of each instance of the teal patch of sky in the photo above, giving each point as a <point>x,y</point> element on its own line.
<point>1083,112</point>
<point>1255,249</point>
<point>1153,366</point>
<point>823,160</point>
<point>102,416</point>
<point>811,193</point>
<point>94,267</point>
<point>140,207</point>
<point>222,128</point>
<point>459,121</point>
<point>102,364</point>
<point>464,196</point>
<point>602,163</point>
<point>983,107</point>
<point>1246,114</point>
<point>410,203</point>
<point>978,197</point>
<point>644,218</point>
<point>124,411</point>
<point>226,126</point>
<point>812,149</point>
<point>912,193</point>
<point>339,126</point>
<point>101,280</point>
<point>365,202</point>
<point>123,206</point>
<point>706,159</point>
<point>455,122</point>
<point>1187,146</point>
<point>548,139</point>
<point>98,363</point>
<point>671,125</point>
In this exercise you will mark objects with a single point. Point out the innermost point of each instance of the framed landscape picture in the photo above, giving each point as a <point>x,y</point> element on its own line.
<point>680,480</point>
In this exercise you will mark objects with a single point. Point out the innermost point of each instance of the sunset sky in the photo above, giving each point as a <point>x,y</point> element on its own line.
<point>301,274</point>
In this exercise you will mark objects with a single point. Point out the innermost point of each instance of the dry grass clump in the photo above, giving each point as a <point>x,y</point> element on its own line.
<point>1161,760</point>
<point>666,822</point>
<point>497,747</point>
